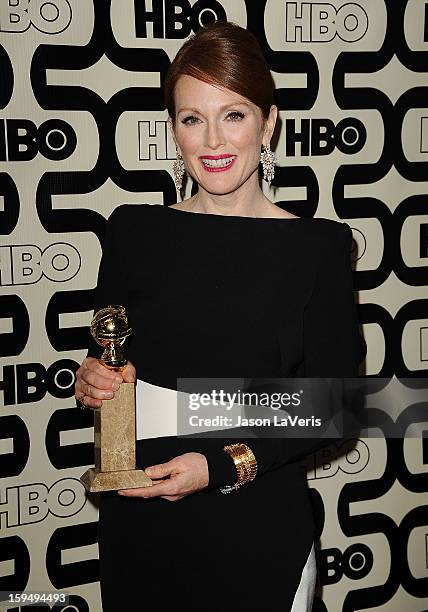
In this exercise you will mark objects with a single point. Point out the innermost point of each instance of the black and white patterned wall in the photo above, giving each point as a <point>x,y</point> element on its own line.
<point>83,129</point>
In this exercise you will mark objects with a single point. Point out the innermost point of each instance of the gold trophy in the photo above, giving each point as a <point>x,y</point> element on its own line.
<point>114,423</point>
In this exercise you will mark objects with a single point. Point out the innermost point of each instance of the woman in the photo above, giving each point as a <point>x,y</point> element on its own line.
<point>225,284</point>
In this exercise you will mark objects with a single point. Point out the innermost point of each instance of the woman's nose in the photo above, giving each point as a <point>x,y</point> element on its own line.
<point>214,136</point>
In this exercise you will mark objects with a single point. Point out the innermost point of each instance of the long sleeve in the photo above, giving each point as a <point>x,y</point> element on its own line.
<point>111,285</point>
<point>331,349</point>
<point>331,335</point>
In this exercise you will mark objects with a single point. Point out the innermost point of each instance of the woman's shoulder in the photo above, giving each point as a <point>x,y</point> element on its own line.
<point>333,235</point>
<point>317,239</point>
<point>339,230</point>
<point>130,212</point>
<point>333,227</point>
<point>132,226</point>
<point>319,229</point>
<point>130,220</point>
<point>333,240</point>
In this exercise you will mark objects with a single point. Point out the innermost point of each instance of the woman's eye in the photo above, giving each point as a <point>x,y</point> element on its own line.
<point>233,115</point>
<point>186,120</point>
<point>237,115</point>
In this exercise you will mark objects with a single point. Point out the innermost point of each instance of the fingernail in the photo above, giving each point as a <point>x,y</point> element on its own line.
<point>108,394</point>
<point>118,380</point>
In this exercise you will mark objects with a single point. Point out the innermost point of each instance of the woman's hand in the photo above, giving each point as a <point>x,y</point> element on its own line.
<point>95,382</point>
<point>184,474</point>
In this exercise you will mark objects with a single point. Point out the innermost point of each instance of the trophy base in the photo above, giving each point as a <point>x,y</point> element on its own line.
<point>96,482</point>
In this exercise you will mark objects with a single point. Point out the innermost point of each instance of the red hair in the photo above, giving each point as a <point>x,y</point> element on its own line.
<point>225,55</point>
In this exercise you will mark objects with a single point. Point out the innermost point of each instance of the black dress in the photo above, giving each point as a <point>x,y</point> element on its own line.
<point>222,296</point>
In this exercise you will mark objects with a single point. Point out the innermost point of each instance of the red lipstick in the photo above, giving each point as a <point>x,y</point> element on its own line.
<point>222,156</point>
<point>217,168</point>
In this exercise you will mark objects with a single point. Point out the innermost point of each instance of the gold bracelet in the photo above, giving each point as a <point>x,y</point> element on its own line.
<point>245,463</point>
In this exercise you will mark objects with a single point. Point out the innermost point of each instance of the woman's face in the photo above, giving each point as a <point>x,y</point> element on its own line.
<point>219,134</point>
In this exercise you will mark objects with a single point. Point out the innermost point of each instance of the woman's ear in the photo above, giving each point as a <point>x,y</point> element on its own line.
<point>171,128</point>
<point>270,124</point>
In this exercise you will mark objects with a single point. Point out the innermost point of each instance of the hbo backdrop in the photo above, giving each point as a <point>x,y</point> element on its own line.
<point>83,129</point>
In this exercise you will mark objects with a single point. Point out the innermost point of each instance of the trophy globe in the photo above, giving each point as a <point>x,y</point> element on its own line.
<point>110,329</point>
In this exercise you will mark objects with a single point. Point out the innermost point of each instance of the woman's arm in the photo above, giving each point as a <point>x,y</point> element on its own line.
<point>331,349</point>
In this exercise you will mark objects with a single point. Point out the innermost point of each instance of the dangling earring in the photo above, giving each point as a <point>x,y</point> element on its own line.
<point>268,159</point>
<point>178,170</point>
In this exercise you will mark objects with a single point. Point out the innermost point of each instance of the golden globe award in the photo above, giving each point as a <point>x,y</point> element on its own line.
<point>114,423</point>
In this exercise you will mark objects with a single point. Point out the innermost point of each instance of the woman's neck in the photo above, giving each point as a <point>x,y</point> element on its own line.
<point>235,203</point>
